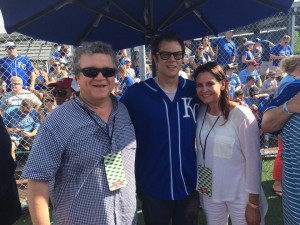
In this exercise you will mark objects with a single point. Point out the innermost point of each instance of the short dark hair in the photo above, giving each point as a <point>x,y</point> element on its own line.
<point>169,36</point>
<point>253,89</point>
<point>250,78</point>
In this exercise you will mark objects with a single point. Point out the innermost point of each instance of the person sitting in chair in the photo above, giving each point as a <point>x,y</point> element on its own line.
<point>22,124</point>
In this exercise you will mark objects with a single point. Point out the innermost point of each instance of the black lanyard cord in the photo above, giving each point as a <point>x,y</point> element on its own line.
<point>110,137</point>
<point>205,141</point>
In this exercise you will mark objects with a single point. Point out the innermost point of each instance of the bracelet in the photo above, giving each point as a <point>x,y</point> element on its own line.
<point>253,205</point>
<point>285,108</point>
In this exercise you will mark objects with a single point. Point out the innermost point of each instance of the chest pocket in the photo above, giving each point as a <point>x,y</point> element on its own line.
<point>223,146</point>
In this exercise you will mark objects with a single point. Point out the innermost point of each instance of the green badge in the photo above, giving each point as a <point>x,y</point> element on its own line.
<point>204,183</point>
<point>114,169</point>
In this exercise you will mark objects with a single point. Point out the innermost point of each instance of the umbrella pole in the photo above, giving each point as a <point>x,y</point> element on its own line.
<point>152,58</point>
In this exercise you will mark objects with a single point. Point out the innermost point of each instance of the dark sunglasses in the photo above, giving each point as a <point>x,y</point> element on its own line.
<point>10,48</point>
<point>15,83</point>
<point>48,100</point>
<point>59,93</point>
<point>93,72</point>
<point>166,55</point>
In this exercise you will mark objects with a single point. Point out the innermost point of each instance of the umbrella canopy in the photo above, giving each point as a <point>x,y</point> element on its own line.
<point>133,22</point>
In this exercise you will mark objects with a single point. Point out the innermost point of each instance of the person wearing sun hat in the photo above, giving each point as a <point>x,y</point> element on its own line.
<point>15,64</point>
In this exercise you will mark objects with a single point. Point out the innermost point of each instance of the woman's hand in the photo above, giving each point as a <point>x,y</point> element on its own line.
<point>252,215</point>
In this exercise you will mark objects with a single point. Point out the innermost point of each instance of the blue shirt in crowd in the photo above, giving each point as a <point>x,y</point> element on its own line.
<point>226,50</point>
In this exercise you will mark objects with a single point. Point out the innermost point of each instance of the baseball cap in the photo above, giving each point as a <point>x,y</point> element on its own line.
<point>125,59</point>
<point>257,40</point>
<point>249,43</point>
<point>66,83</point>
<point>9,44</point>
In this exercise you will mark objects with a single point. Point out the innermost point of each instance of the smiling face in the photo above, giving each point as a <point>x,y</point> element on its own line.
<point>171,66</point>
<point>95,90</point>
<point>209,88</point>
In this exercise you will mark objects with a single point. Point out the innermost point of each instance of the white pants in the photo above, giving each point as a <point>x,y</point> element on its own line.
<point>217,213</point>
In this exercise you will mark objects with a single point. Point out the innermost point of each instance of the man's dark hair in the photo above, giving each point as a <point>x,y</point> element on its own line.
<point>90,48</point>
<point>169,36</point>
<point>252,90</point>
<point>250,78</point>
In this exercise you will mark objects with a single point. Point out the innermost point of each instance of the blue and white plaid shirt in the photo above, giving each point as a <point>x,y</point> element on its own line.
<point>68,152</point>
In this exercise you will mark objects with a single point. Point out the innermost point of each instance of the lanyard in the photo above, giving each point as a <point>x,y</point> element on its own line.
<point>204,148</point>
<point>110,137</point>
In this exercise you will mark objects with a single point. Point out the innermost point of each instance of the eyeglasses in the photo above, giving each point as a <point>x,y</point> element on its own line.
<point>10,48</point>
<point>59,93</point>
<point>15,83</point>
<point>93,72</point>
<point>166,55</point>
<point>55,65</point>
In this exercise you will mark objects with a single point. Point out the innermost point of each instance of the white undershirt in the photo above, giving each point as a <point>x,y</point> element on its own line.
<point>170,94</point>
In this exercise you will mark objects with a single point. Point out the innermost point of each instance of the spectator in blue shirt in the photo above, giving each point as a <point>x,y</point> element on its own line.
<point>22,124</point>
<point>239,51</point>
<point>233,79</point>
<point>126,80</point>
<point>247,55</point>
<point>15,64</point>
<point>281,51</point>
<point>225,49</point>
<point>250,71</point>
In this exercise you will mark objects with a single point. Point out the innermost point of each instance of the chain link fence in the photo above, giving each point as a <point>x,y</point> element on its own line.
<point>49,62</point>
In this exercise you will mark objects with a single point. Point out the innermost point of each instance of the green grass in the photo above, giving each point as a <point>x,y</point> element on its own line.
<point>274,215</point>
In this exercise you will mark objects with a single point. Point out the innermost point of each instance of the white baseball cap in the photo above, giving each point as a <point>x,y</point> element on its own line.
<point>9,44</point>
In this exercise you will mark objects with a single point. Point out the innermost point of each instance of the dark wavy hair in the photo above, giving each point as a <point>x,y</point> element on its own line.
<point>217,71</point>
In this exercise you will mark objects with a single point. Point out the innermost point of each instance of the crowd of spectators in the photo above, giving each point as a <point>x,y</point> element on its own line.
<point>29,91</point>
<point>251,64</point>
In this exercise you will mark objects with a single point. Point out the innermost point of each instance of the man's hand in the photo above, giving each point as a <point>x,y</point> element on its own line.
<point>13,130</point>
<point>26,134</point>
